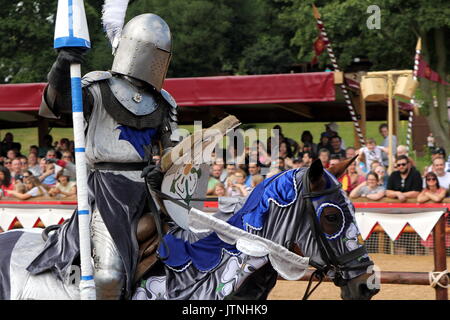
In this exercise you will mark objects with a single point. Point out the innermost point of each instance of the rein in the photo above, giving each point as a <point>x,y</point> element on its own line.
<point>332,262</point>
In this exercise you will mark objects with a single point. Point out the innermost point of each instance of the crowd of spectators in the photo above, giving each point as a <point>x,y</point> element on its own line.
<point>49,171</point>
<point>46,171</point>
<point>367,177</point>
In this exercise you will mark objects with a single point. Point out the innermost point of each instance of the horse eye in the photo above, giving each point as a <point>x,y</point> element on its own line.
<point>331,217</point>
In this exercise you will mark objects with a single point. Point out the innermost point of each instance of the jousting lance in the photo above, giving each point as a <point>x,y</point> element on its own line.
<point>71,31</point>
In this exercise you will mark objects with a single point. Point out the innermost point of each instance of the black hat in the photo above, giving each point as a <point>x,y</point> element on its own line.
<point>438,151</point>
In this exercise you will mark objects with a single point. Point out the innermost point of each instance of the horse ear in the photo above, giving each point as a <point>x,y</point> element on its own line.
<point>316,171</point>
<point>339,169</point>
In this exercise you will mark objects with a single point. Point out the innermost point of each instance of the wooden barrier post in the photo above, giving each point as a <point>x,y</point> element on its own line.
<point>440,262</point>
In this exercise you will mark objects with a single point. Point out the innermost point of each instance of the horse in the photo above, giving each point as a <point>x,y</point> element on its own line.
<point>302,212</point>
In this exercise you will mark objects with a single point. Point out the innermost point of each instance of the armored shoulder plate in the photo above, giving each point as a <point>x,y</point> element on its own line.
<point>138,102</point>
<point>172,103</point>
<point>95,76</point>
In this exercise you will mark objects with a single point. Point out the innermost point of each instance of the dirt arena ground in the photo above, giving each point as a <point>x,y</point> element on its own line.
<point>294,290</point>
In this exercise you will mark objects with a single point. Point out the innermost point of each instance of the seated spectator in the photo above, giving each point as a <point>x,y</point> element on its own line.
<point>324,156</point>
<point>26,175</point>
<point>384,131</point>
<point>403,150</point>
<point>6,184</point>
<point>351,179</point>
<point>406,182</point>
<point>286,155</point>
<point>373,165</point>
<point>324,142</point>
<point>256,179</point>
<point>33,149</point>
<point>34,189</point>
<point>64,187</point>
<point>51,154</point>
<point>308,144</point>
<point>219,190</point>
<point>438,167</point>
<point>20,187</point>
<point>63,145</point>
<point>253,169</point>
<point>292,145</point>
<point>307,159</point>
<point>16,170</point>
<point>214,178</point>
<point>24,163</point>
<point>297,163</point>
<point>350,152</point>
<point>438,153</point>
<point>372,152</point>
<point>9,144</point>
<point>48,178</point>
<point>336,147</point>
<point>230,170</point>
<point>236,184</point>
<point>369,189</point>
<point>433,191</point>
<point>382,176</point>
<point>334,160</point>
<point>7,164</point>
<point>67,156</point>
<point>11,154</point>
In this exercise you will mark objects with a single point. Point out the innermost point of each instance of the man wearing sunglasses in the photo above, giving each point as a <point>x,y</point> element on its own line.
<point>405,183</point>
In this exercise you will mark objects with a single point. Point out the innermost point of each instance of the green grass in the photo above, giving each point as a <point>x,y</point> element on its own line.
<point>29,136</point>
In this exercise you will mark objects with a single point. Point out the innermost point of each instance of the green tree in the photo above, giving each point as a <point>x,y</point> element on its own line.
<point>27,31</point>
<point>390,47</point>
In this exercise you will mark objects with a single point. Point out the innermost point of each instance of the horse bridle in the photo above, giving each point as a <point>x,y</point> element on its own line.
<point>332,262</point>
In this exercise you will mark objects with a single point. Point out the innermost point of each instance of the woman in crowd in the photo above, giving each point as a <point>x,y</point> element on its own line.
<point>33,164</point>
<point>286,154</point>
<point>236,184</point>
<point>432,191</point>
<point>369,189</point>
<point>64,187</point>
<point>351,179</point>
<point>308,144</point>
<point>383,177</point>
<point>6,184</point>
<point>33,187</point>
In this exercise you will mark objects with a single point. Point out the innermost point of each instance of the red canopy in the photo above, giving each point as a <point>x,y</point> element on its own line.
<point>204,91</point>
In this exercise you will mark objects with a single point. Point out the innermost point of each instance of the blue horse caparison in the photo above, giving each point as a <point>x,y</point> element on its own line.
<point>204,266</point>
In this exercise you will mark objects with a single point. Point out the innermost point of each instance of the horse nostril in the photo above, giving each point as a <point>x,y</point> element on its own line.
<point>366,292</point>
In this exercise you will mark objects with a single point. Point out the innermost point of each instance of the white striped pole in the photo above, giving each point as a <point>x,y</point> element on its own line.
<point>413,101</point>
<point>71,31</point>
<point>344,90</point>
<point>87,284</point>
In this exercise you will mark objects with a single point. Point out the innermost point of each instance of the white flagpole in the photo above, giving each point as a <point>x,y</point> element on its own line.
<point>71,31</point>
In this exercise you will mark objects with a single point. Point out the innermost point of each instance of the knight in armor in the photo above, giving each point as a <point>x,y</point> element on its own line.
<point>129,119</point>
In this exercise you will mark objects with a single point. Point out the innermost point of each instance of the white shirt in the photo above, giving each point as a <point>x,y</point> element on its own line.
<point>375,154</point>
<point>444,181</point>
<point>37,191</point>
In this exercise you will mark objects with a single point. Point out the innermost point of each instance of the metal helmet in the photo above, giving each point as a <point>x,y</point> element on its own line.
<point>144,50</point>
